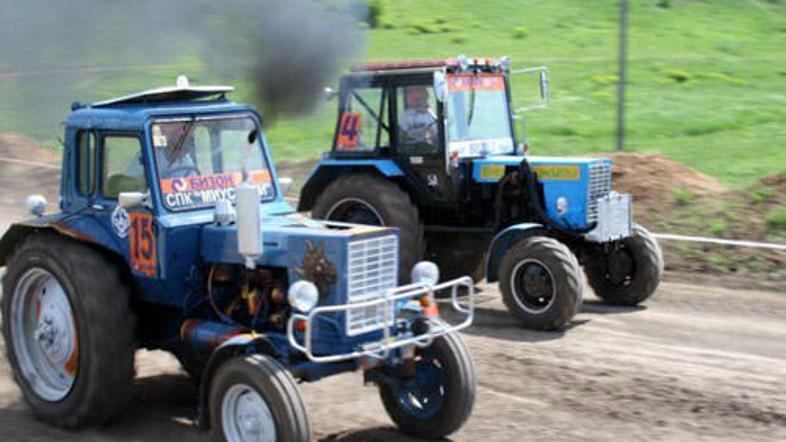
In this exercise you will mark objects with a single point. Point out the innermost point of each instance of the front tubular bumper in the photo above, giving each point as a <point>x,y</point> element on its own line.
<point>390,341</point>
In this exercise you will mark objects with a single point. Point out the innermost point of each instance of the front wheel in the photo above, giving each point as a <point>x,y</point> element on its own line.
<point>540,281</point>
<point>254,398</point>
<point>439,398</point>
<point>628,272</point>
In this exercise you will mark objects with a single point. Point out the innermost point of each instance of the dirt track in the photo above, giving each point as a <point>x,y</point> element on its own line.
<point>695,363</point>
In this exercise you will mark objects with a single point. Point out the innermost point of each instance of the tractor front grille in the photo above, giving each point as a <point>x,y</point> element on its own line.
<point>599,186</point>
<point>373,269</point>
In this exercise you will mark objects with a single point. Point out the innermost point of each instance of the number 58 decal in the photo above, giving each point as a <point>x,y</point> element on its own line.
<point>142,244</point>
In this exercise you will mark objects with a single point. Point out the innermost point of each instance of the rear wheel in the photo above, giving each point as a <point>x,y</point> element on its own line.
<point>365,199</point>
<point>439,398</point>
<point>253,398</point>
<point>540,281</point>
<point>628,272</point>
<point>69,331</point>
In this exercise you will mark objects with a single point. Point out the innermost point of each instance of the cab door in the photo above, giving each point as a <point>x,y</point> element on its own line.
<point>419,139</point>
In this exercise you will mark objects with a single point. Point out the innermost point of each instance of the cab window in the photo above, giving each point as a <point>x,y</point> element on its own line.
<point>86,145</point>
<point>363,123</point>
<point>122,169</point>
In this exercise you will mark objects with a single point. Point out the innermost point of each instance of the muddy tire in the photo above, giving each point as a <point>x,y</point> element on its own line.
<point>458,254</point>
<point>255,398</point>
<point>365,199</point>
<point>631,273</point>
<point>541,284</point>
<point>69,331</point>
<point>442,405</point>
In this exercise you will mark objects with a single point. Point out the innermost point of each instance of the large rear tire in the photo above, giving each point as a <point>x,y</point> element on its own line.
<point>629,273</point>
<point>69,331</point>
<point>365,199</point>
<point>254,398</point>
<point>541,284</point>
<point>439,399</point>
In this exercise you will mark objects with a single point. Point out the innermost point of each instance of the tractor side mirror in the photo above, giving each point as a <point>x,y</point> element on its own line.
<point>543,76</point>
<point>285,183</point>
<point>440,86</point>
<point>329,94</point>
<point>132,200</point>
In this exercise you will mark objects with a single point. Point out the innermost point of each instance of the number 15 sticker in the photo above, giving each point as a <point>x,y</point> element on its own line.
<point>142,244</point>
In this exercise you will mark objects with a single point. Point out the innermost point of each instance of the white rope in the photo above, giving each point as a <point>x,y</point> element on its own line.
<point>29,163</point>
<point>720,241</point>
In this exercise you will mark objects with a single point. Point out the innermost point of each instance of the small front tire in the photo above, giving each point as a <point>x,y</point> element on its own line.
<point>439,398</point>
<point>541,284</point>
<point>254,398</point>
<point>629,273</point>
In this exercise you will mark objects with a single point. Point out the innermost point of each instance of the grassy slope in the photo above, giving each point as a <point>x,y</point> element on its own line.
<point>706,78</point>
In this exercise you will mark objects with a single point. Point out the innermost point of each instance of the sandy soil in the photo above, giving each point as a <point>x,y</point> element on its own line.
<point>696,363</point>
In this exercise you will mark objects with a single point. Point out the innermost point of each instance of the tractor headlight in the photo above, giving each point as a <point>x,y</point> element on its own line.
<point>426,272</point>
<point>303,296</point>
<point>562,205</point>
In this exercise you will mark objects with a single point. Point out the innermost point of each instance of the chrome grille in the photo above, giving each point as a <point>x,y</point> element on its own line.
<point>599,186</point>
<point>373,269</point>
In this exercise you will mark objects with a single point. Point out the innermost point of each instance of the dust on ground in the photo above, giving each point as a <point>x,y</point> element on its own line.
<point>694,363</point>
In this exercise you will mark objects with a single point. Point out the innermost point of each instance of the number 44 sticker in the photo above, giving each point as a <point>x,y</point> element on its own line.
<point>142,244</point>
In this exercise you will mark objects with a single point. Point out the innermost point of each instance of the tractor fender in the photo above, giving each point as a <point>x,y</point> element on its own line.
<point>327,171</point>
<point>238,345</point>
<point>503,241</point>
<point>53,223</point>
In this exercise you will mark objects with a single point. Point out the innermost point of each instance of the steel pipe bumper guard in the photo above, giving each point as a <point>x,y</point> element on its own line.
<point>381,348</point>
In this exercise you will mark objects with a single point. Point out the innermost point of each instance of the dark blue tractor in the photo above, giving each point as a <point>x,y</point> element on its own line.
<point>430,147</point>
<point>172,233</point>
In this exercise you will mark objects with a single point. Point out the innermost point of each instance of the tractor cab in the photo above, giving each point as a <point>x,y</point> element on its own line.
<point>425,116</point>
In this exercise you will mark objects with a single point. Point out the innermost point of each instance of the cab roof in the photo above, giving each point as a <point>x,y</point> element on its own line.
<point>131,112</point>
<point>458,63</point>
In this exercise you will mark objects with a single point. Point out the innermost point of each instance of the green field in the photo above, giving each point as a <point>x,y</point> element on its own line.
<point>707,78</point>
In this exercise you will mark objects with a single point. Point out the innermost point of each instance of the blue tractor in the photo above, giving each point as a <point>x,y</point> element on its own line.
<point>172,233</point>
<point>430,147</point>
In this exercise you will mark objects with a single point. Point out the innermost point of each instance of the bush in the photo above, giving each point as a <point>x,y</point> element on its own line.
<point>683,196</point>
<point>762,194</point>
<point>717,227</point>
<point>776,218</point>
<point>665,4</point>
<point>374,12</point>
<point>520,33</point>
<point>679,76</point>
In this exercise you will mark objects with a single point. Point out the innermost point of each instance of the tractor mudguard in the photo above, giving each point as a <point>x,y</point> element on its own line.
<point>240,344</point>
<point>503,241</point>
<point>328,170</point>
<point>56,223</point>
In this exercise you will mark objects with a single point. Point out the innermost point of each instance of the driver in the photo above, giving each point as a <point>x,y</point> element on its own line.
<point>174,153</point>
<point>418,122</point>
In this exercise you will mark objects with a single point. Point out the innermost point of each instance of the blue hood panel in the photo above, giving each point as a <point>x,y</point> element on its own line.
<point>561,177</point>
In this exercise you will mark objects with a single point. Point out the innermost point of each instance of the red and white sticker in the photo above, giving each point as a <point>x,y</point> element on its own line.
<point>482,82</point>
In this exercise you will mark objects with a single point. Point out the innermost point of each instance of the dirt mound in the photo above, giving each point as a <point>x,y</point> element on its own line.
<point>20,147</point>
<point>653,179</point>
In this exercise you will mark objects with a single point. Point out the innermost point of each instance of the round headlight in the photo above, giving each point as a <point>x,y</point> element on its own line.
<point>562,205</point>
<point>425,272</point>
<point>303,295</point>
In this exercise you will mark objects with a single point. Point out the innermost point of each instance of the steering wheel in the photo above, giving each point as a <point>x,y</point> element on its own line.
<point>410,132</point>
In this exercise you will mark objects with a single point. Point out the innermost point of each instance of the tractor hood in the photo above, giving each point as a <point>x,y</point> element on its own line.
<point>571,186</point>
<point>313,250</point>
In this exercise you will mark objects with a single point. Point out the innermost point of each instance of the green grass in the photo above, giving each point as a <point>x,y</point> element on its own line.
<point>706,78</point>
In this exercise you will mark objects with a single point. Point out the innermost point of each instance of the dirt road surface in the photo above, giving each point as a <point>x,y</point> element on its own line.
<point>696,363</point>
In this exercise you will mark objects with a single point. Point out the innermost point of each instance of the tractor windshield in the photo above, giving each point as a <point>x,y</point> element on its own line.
<point>201,161</point>
<point>478,121</point>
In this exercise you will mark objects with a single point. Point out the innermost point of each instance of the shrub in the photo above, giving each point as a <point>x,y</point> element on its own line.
<point>683,196</point>
<point>374,12</point>
<point>520,33</point>
<point>762,194</point>
<point>717,227</point>
<point>665,4</point>
<point>776,218</point>
<point>679,76</point>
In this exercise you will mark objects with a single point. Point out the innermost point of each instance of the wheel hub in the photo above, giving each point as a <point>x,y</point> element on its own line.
<point>533,285</point>
<point>44,334</point>
<point>620,266</point>
<point>246,416</point>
